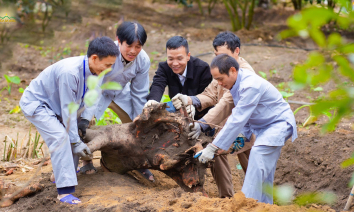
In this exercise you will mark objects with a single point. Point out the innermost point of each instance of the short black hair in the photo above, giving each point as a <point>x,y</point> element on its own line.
<point>177,41</point>
<point>227,38</point>
<point>103,47</point>
<point>224,62</point>
<point>130,32</point>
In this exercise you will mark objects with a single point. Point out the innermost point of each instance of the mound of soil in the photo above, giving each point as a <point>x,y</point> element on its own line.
<point>312,163</point>
<point>114,192</point>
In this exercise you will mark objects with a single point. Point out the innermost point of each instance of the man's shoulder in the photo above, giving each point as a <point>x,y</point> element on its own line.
<point>252,80</point>
<point>245,65</point>
<point>163,66</point>
<point>71,60</point>
<point>143,56</point>
<point>69,65</point>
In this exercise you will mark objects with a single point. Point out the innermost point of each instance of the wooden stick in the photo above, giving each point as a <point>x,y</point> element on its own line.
<point>350,199</point>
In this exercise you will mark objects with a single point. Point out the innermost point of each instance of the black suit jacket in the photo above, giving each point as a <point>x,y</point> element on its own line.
<point>197,79</point>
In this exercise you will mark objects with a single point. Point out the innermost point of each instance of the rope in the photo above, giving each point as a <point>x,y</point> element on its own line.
<point>208,124</point>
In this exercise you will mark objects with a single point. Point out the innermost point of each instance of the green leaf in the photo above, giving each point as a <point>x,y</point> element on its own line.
<point>348,48</point>
<point>345,4</point>
<point>155,53</point>
<point>281,85</point>
<point>299,108</point>
<point>111,86</point>
<point>334,39</point>
<point>17,109</point>
<point>103,73</point>
<point>318,89</point>
<point>73,107</point>
<point>322,74</point>
<point>21,90</point>
<point>328,114</point>
<point>313,197</point>
<point>347,163</point>
<point>287,33</point>
<point>344,22</point>
<point>264,75</point>
<point>14,79</point>
<point>91,97</point>
<point>286,94</point>
<point>283,194</point>
<point>92,82</point>
<point>310,120</point>
<point>303,33</point>
<point>344,66</point>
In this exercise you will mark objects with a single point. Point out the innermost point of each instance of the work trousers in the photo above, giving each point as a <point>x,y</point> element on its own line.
<point>124,117</point>
<point>222,175</point>
<point>53,132</point>
<point>263,160</point>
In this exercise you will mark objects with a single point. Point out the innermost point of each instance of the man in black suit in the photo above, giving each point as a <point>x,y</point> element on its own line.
<point>182,73</point>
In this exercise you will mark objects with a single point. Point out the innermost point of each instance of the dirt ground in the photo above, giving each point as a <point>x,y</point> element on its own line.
<point>311,163</point>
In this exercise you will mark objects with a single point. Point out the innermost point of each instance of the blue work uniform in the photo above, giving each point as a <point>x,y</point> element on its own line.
<point>134,78</point>
<point>259,109</point>
<point>45,104</point>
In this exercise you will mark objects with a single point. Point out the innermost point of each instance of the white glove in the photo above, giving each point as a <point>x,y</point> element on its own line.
<point>191,111</point>
<point>179,100</point>
<point>195,131</point>
<point>150,103</point>
<point>81,149</point>
<point>206,154</point>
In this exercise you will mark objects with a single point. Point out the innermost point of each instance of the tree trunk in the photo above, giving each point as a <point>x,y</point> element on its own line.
<point>250,14</point>
<point>156,139</point>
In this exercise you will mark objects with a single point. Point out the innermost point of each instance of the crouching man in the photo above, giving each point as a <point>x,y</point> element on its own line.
<point>259,109</point>
<point>45,104</point>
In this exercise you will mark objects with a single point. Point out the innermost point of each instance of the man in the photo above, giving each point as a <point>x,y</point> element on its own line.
<point>131,71</point>
<point>181,72</point>
<point>45,104</point>
<point>259,109</point>
<point>221,98</point>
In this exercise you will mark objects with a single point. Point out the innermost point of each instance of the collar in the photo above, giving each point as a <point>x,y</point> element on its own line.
<point>238,81</point>
<point>185,72</point>
<point>125,63</point>
<point>87,68</point>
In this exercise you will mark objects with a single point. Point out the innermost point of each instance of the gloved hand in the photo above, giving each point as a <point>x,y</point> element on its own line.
<point>82,126</point>
<point>238,144</point>
<point>179,100</point>
<point>206,154</point>
<point>195,131</point>
<point>150,103</point>
<point>81,149</point>
<point>191,111</point>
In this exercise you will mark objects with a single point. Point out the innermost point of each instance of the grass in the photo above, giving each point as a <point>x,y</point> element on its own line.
<point>32,149</point>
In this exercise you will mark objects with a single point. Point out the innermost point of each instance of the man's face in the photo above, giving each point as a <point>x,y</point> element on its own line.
<point>177,59</point>
<point>224,80</point>
<point>97,66</point>
<point>225,50</point>
<point>129,52</point>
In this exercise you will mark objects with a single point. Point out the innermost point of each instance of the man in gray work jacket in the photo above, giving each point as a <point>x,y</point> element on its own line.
<point>45,104</point>
<point>131,70</point>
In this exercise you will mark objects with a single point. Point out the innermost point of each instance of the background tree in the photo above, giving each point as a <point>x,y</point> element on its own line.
<point>246,6</point>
